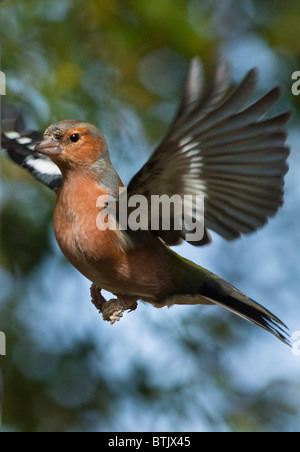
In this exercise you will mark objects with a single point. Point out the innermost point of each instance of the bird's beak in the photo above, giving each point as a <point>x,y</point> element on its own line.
<point>49,146</point>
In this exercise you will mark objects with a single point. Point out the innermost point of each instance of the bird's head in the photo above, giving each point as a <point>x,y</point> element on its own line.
<point>74,144</point>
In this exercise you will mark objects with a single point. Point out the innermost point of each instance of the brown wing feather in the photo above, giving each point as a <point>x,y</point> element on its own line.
<point>220,148</point>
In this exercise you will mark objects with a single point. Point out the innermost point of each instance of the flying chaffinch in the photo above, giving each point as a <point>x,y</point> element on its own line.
<point>216,147</point>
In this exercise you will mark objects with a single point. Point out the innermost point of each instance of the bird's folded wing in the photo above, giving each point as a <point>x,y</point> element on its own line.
<point>19,145</point>
<point>226,151</point>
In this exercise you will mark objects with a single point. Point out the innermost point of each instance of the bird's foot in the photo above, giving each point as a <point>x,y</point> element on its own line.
<point>112,310</point>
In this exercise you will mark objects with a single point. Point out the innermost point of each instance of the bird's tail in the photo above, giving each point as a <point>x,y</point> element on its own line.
<point>223,294</point>
<point>196,285</point>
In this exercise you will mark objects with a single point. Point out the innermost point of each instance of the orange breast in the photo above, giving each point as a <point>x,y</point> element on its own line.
<point>107,257</point>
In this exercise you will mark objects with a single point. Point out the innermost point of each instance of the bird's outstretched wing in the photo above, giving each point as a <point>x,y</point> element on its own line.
<point>220,148</point>
<point>19,145</point>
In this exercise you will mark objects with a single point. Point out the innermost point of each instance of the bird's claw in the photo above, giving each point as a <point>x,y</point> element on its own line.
<point>112,310</point>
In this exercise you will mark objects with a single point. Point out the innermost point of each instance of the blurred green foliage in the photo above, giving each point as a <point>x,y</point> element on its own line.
<point>120,64</point>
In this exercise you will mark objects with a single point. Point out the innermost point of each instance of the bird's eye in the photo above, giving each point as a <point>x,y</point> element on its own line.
<point>75,137</point>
